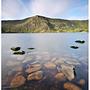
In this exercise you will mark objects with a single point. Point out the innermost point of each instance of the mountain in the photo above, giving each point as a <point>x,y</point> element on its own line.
<point>39,24</point>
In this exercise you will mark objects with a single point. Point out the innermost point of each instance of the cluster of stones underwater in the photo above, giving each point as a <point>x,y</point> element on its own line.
<point>41,71</point>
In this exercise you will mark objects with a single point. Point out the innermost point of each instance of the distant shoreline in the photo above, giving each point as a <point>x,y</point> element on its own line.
<point>41,24</point>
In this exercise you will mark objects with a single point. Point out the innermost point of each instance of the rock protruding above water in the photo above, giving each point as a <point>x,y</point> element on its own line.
<point>31,48</point>
<point>33,68</point>
<point>19,52</point>
<point>17,81</point>
<point>60,76</point>
<point>15,48</point>
<point>71,86</point>
<point>80,41</point>
<point>50,65</point>
<point>74,47</point>
<point>35,76</point>
<point>68,71</point>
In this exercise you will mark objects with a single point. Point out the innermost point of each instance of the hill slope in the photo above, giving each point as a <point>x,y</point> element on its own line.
<point>44,24</point>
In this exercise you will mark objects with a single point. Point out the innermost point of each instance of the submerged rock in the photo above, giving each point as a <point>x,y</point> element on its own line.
<point>68,71</point>
<point>74,47</point>
<point>19,52</point>
<point>15,48</point>
<point>71,86</point>
<point>60,76</point>
<point>82,82</point>
<point>35,76</point>
<point>33,68</point>
<point>80,41</point>
<point>50,65</point>
<point>17,81</point>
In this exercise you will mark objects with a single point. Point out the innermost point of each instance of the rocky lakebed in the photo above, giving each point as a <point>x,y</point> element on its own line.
<point>43,71</point>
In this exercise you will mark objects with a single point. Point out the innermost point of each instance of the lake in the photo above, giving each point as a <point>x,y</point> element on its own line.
<point>48,47</point>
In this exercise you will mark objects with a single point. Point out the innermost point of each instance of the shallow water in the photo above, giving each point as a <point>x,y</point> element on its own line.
<point>56,45</point>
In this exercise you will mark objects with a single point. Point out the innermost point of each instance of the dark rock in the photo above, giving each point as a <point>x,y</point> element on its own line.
<point>15,48</point>
<point>80,41</point>
<point>31,48</point>
<point>19,53</point>
<point>74,47</point>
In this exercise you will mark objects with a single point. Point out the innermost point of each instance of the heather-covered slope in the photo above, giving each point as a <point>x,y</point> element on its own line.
<point>43,24</point>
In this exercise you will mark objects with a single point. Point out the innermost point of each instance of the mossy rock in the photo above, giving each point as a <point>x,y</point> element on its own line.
<point>19,52</point>
<point>15,48</point>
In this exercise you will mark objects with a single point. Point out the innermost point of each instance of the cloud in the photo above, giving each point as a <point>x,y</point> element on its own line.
<point>10,8</point>
<point>49,7</point>
<point>13,9</point>
<point>18,9</point>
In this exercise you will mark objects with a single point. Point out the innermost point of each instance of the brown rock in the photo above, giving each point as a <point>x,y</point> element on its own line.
<point>82,82</point>
<point>50,65</point>
<point>71,86</point>
<point>60,76</point>
<point>35,76</point>
<point>33,68</point>
<point>17,81</point>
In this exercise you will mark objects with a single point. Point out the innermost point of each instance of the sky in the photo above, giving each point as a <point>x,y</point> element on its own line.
<point>63,9</point>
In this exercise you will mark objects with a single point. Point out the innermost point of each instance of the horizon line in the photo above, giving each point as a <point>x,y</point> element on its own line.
<point>41,16</point>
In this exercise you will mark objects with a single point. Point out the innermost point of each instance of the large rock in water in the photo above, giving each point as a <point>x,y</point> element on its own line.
<point>68,71</point>
<point>35,76</point>
<point>71,86</point>
<point>50,65</point>
<point>33,68</point>
<point>17,81</point>
<point>15,48</point>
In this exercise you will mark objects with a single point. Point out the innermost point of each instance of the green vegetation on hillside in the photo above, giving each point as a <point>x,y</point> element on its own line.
<point>38,24</point>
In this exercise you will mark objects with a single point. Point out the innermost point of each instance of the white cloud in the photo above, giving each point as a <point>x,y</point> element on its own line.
<point>13,9</point>
<point>17,9</point>
<point>49,7</point>
<point>10,8</point>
